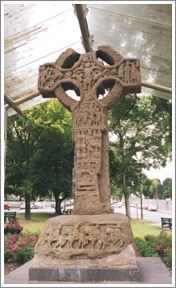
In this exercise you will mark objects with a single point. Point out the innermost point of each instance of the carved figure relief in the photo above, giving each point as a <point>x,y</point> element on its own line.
<point>89,77</point>
<point>80,238</point>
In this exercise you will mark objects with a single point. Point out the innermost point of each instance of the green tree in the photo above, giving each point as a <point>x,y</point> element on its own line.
<point>139,131</point>
<point>167,188</point>
<point>116,173</point>
<point>22,138</point>
<point>154,188</point>
<point>54,161</point>
<point>39,148</point>
<point>147,188</point>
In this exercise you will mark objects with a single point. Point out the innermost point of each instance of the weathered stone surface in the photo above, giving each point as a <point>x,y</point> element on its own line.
<point>125,258</point>
<point>84,236</point>
<point>86,275</point>
<point>88,75</point>
<point>115,267</point>
<point>93,245</point>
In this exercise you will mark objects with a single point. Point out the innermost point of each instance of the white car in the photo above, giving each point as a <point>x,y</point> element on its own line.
<point>33,205</point>
<point>53,205</point>
<point>37,205</point>
<point>117,205</point>
<point>152,208</point>
<point>68,209</point>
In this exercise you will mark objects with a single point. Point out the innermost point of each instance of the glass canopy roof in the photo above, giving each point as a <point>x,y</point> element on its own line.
<point>38,32</point>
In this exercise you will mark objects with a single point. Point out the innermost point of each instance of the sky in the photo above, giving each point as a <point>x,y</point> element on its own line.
<point>162,173</point>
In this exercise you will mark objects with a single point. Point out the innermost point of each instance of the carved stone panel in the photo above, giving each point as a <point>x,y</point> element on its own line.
<point>102,72</point>
<point>84,236</point>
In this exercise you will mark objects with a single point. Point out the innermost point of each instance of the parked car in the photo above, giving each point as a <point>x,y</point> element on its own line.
<point>133,205</point>
<point>152,208</point>
<point>33,205</point>
<point>145,207</point>
<point>68,209</point>
<point>53,205</point>
<point>6,206</point>
<point>117,205</point>
<point>38,205</point>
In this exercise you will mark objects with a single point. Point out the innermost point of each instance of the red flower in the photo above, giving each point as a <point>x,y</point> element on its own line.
<point>13,225</point>
<point>158,247</point>
<point>33,239</point>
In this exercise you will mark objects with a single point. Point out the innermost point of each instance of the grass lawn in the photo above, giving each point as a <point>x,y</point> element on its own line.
<point>139,227</point>
<point>36,223</point>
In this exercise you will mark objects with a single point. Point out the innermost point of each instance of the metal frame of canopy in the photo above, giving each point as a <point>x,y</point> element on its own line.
<point>87,40</point>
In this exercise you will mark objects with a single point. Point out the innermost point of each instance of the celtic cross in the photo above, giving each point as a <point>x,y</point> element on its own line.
<point>90,75</point>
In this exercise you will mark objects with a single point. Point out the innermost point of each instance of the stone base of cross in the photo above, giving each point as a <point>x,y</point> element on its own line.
<point>86,248</point>
<point>92,75</point>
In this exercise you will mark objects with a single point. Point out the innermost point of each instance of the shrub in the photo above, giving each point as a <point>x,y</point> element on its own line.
<point>13,227</point>
<point>7,254</point>
<point>24,254</point>
<point>145,250</point>
<point>160,246</point>
<point>163,245</point>
<point>19,248</point>
<point>9,239</point>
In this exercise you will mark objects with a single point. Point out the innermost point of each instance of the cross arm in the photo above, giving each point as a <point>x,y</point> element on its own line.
<point>54,78</point>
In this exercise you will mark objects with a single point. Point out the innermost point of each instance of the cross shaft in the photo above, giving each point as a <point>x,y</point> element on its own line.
<point>90,75</point>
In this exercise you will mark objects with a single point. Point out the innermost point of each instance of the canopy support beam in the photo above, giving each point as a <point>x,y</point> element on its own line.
<point>157,87</point>
<point>80,12</point>
<point>29,97</point>
<point>12,104</point>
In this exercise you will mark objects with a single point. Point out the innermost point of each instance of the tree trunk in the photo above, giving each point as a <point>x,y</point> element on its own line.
<point>58,205</point>
<point>126,196</point>
<point>27,207</point>
<point>141,205</point>
<point>157,204</point>
<point>5,139</point>
<point>127,206</point>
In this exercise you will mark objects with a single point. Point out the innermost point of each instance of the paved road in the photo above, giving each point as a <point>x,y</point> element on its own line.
<point>153,216</point>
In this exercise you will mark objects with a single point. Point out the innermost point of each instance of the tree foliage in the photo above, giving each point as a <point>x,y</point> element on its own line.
<point>39,152</point>
<point>167,188</point>
<point>142,139</point>
<point>164,190</point>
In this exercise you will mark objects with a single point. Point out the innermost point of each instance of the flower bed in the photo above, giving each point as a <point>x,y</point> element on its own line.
<point>13,227</point>
<point>19,248</point>
<point>12,230</point>
<point>154,246</point>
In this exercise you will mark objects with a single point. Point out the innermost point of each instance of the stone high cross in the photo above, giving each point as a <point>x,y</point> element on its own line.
<point>90,77</point>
